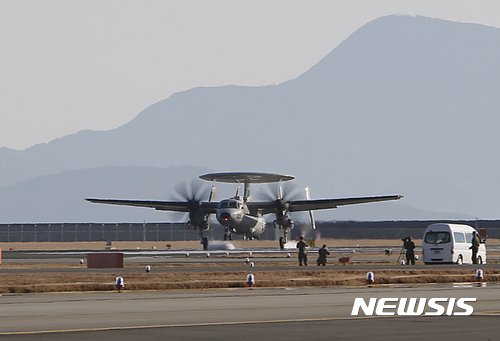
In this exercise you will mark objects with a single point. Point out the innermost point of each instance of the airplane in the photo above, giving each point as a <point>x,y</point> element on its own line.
<point>240,214</point>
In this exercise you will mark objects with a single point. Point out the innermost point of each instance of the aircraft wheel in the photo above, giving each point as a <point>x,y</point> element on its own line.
<point>282,243</point>
<point>204,241</point>
<point>225,236</point>
<point>460,260</point>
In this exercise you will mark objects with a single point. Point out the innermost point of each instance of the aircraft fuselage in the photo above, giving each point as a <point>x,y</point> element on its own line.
<point>235,216</point>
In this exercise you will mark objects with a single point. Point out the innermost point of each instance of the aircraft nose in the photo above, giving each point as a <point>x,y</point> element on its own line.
<point>225,217</point>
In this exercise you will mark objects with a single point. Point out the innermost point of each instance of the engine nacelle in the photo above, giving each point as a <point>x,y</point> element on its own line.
<point>198,218</point>
<point>284,221</point>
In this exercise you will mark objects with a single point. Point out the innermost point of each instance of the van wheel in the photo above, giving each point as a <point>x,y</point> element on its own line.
<point>479,260</point>
<point>460,260</point>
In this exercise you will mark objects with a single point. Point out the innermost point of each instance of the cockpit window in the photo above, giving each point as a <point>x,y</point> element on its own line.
<point>229,204</point>
<point>437,237</point>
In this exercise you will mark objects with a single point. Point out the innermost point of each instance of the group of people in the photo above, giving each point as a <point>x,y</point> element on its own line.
<point>322,253</point>
<point>408,245</point>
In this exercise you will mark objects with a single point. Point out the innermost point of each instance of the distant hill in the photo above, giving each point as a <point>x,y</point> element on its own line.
<point>60,197</point>
<point>405,105</point>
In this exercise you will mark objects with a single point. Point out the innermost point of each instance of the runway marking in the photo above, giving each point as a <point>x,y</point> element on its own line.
<point>206,324</point>
<point>209,324</point>
<point>488,313</point>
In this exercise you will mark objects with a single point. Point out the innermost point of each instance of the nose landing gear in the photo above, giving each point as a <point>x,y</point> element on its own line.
<point>227,233</point>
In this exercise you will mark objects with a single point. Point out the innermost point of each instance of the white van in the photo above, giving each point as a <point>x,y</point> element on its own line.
<point>450,243</point>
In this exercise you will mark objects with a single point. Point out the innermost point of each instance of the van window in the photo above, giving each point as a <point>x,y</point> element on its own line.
<point>468,238</point>
<point>459,237</point>
<point>437,237</point>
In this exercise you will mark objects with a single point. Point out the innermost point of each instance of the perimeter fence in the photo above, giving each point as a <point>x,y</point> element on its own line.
<point>70,232</point>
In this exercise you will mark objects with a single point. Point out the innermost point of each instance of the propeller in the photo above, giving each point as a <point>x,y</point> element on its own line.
<point>281,191</point>
<point>281,194</point>
<point>194,192</point>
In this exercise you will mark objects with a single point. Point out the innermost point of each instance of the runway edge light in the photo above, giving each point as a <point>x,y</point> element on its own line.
<point>370,277</point>
<point>250,280</point>
<point>119,283</point>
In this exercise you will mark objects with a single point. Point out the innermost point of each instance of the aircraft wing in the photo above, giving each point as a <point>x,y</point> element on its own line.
<point>323,204</point>
<point>320,204</point>
<point>176,206</point>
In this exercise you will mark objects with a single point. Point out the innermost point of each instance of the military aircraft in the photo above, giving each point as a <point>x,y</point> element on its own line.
<point>240,214</point>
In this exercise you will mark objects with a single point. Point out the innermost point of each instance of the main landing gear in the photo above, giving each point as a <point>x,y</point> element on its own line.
<point>204,241</point>
<point>283,240</point>
<point>282,243</point>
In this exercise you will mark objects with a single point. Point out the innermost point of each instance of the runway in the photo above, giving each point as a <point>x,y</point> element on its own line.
<point>258,313</point>
<point>369,258</point>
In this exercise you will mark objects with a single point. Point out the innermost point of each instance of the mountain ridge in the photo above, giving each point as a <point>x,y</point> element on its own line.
<point>404,105</point>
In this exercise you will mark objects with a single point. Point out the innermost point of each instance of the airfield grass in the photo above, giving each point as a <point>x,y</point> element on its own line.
<point>49,276</point>
<point>104,281</point>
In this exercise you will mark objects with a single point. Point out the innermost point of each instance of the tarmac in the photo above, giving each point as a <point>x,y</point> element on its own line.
<point>246,313</point>
<point>285,313</point>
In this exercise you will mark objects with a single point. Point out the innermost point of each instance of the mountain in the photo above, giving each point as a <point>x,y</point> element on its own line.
<point>60,197</point>
<point>405,105</point>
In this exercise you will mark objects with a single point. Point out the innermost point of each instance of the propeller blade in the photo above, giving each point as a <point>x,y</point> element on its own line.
<point>281,190</point>
<point>193,190</point>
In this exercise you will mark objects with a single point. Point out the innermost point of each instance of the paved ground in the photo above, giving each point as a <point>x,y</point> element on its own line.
<point>228,314</point>
<point>277,314</point>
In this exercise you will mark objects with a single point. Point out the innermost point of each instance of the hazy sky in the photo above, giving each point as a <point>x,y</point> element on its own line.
<point>95,64</point>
